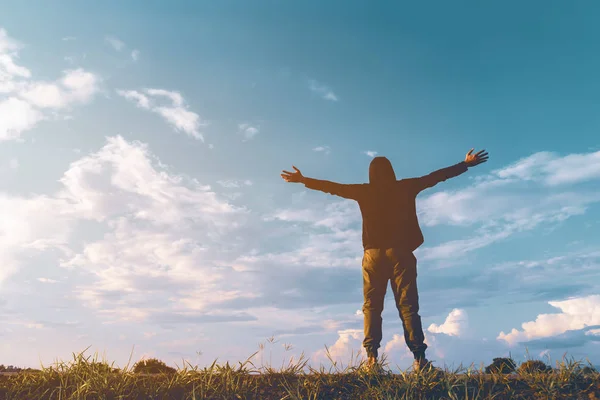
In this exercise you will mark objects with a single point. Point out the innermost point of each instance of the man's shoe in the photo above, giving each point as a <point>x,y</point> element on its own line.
<point>372,365</point>
<point>422,364</point>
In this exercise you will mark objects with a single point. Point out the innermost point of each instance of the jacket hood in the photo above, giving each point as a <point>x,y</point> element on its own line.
<point>381,171</point>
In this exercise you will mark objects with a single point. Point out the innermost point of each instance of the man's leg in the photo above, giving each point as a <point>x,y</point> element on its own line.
<point>404,286</point>
<point>375,277</point>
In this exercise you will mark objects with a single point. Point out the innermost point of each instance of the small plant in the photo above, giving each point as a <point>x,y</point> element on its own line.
<point>531,366</point>
<point>86,378</point>
<point>152,366</point>
<point>501,365</point>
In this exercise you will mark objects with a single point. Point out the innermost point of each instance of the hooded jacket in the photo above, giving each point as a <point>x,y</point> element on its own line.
<point>388,205</point>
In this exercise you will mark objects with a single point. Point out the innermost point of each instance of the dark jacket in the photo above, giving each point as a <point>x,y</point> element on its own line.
<point>388,209</point>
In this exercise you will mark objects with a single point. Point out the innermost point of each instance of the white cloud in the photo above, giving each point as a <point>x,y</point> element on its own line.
<point>370,153</point>
<point>76,86</point>
<point>135,55</point>
<point>397,345</point>
<point>182,120</point>
<point>69,38</point>
<point>325,236</point>
<point>132,174</point>
<point>333,216</point>
<point>577,313</point>
<point>247,130</point>
<point>322,90</point>
<point>175,97</point>
<point>229,184</point>
<point>176,114</point>
<point>323,149</point>
<point>141,100</point>
<point>331,324</point>
<point>80,84</point>
<point>29,225</point>
<point>115,43</point>
<point>552,169</point>
<point>520,197</point>
<point>151,219</point>
<point>47,280</point>
<point>495,230</point>
<point>27,99</point>
<point>455,325</point>
<point>347,348</point>
<point>17,116</point>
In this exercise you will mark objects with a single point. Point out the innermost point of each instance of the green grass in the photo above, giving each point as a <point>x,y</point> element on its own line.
<point>87,378</point>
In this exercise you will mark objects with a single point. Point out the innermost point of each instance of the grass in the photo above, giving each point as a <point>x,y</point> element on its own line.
<point>87,378</point>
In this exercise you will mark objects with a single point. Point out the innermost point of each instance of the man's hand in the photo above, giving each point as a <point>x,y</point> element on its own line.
<point>293,176</point>
<point>475,159</point>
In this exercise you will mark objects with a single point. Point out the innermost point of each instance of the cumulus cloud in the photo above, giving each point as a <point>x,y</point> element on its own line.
<point>567,340</point>
<point>29,225</point>
<point>455,325</point>
<point>397,348</point>
<point>577,313</point>
<point>17,116</point>
<point>370,153</point>
<point>135,55</point>
<point>76,87</point>
<point>346,349</point>
<point>30,101</point>
<point>247,130</point>
<point>152,263</point>
<point>322,90</point>
<point>176,114</point>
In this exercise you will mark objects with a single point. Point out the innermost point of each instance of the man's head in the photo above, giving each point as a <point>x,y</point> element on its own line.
<point>381,171</point>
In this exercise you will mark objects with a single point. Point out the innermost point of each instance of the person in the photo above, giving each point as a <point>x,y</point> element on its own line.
<point>390,234</point>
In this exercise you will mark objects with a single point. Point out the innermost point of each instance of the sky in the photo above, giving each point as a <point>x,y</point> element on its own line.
<point>142,212</point>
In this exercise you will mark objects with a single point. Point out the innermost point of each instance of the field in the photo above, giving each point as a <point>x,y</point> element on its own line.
<point>87,378</point>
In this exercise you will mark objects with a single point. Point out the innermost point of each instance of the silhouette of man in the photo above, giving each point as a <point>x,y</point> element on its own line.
<point>390,234</point>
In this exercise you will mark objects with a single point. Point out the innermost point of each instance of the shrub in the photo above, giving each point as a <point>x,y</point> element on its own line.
<point>100,367</point>
<point>534,366</point>
<point>9,368</point>
<point>501,365</point>
<point>152,366</point>
<point>587,370</point>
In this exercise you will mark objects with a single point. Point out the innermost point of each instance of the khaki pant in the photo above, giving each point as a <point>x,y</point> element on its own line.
<point>399,267</point>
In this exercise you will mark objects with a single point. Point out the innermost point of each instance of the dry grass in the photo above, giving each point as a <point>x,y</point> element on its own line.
<point>86,378</point>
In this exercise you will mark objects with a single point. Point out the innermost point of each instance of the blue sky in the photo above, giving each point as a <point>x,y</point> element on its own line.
<point>140,152</point>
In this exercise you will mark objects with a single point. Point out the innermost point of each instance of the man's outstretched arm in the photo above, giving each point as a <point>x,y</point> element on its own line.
<point>338,189</point>
<point>441,175</point>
